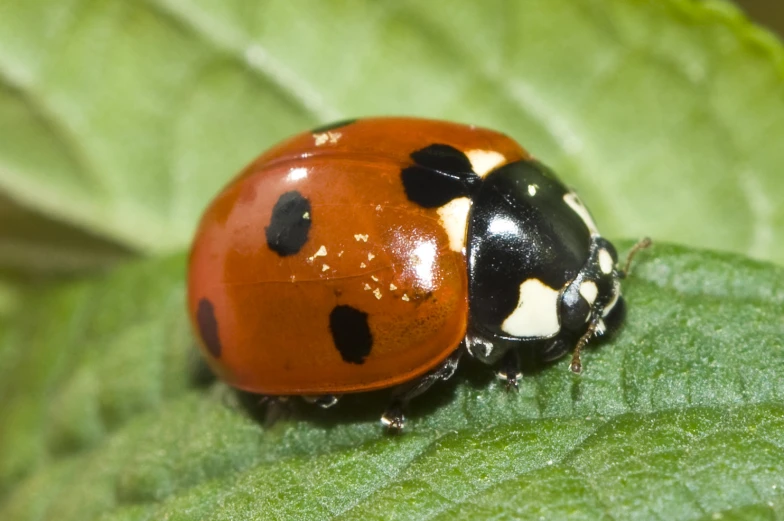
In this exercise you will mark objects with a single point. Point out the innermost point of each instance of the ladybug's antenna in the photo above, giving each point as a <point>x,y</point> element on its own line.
<point>643,244</point>
<point>577,366</point>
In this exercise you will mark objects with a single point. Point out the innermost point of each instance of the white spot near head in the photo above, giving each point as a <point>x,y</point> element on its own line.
<point>485,161</point>
<point>306,215</point>
<point>361,237</point>
<point>532,189</point>
<point>453,216</point>
<point>579,208</point>
<point>536,314</point>
<point>616,295</point>
<point>606,263</point>
<point>297,174</point>
<point>405,297</point>
<point>589,291</point>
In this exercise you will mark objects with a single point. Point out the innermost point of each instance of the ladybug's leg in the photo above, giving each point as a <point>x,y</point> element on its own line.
<point>394,417</point>
<point>509,369</point>
<point>275,408</point>
<point>324,401</point>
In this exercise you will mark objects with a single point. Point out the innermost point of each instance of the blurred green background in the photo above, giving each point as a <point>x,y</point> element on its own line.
<point>120,121</point>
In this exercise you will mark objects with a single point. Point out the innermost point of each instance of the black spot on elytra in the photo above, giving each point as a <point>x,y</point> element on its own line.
<point>289,225</point>
<point>332,126</point>
<point>351,333</point>
<point>443,158</point>
<point>208,327</point>
<point>441,173</point>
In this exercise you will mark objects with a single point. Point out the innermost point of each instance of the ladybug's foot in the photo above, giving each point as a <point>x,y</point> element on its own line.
<point>394,418</point>
<point>324,401</point>
<point>509,370</point>
<point>275,408</point>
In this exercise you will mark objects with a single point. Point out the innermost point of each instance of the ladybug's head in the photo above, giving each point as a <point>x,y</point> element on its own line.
<point>542,280</point>
<point>592,300</point>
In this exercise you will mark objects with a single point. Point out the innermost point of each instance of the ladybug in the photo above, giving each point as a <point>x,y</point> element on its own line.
<point>375,253</point>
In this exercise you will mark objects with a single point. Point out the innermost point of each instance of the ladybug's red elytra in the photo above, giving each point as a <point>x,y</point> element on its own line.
<point>374,253</point>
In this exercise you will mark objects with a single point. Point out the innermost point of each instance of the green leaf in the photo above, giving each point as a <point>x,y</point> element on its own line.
<point>677,417</point>
<point>124,118</point>
<point>33,246</point>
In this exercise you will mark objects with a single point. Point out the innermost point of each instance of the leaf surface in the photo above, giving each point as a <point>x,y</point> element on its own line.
<point>678,416</point>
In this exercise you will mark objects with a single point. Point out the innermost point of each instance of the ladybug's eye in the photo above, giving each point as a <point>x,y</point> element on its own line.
<point>575,307</point>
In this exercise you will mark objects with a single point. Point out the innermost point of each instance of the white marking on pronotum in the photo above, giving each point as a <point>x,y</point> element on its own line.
<point>404,297</point>
<point>453,217</point>
<point>536,314</point>
<point>616,295</point>
<point>367,287</point>
<point>579,208</point>
<point>324,267</point>
<point>371,256</point>
<point>322,252</point>
<point>485,161</point>
<point>362,265</point>
<point>605,261</point>
<point>589,291</point>
<point>306,215</point>
<point>532,189</point>
<point>361,237</point>
<point>392,287</point>
<point>375,279</point>
<point>377,293</point>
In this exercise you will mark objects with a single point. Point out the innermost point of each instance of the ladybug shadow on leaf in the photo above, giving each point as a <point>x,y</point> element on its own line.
<point>355,408</point>
<point>367,407</point>
<point>362,408</point>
